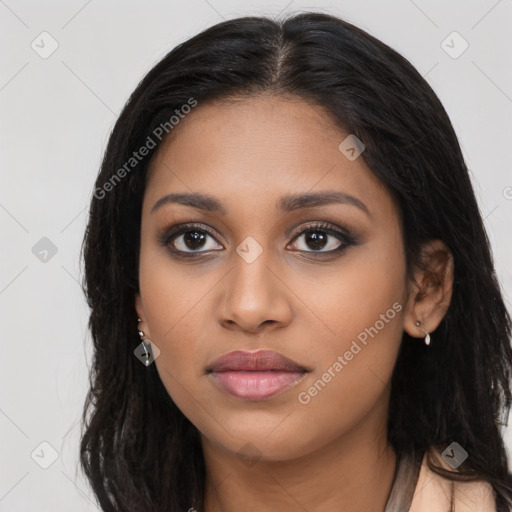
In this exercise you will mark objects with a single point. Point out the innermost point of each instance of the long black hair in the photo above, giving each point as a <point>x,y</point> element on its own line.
<point>137,449</point>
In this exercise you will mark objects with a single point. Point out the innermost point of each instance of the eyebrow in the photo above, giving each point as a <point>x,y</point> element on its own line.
<point>287,203</point>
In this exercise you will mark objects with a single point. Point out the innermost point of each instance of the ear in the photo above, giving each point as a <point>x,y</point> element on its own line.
<point>430,292</point>
<point>142,325</point>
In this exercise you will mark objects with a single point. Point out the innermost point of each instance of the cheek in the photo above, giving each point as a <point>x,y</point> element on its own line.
<point>173,294</point>
<point>173,306</point>
<point>355,356</point>
<point>367,291</point>
<point>181,362</point>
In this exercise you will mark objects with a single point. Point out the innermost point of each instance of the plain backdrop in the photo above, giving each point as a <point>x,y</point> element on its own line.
<point>67,68</point>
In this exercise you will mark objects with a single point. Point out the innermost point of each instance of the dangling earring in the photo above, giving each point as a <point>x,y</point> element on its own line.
<point>143,337</point>
<point>427,335</point>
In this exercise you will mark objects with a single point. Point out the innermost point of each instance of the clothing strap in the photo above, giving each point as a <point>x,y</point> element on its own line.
<point>404,483</point>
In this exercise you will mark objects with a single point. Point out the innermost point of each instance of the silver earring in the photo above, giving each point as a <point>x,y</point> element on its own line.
<point>143,337</point>
<point>427,335</point>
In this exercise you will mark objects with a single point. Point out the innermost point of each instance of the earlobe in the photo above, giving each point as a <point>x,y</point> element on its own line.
<point>431,292</point>
<point>141,318</point>
<point>138,306</point>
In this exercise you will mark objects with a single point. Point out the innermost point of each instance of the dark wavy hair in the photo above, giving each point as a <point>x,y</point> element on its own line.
<point>138,451</point>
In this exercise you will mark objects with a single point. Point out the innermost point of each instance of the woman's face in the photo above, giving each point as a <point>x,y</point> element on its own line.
<point>332,300</point>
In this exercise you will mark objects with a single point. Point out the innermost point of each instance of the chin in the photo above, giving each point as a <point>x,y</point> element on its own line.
<point>267,445</point>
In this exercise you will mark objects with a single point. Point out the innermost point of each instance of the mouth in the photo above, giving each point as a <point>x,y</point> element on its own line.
<point>255,375</point>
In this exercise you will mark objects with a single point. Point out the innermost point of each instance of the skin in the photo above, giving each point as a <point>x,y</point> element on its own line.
<point>279,454</point>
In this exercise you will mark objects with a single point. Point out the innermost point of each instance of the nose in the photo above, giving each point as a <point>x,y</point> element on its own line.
<point>254,297</point>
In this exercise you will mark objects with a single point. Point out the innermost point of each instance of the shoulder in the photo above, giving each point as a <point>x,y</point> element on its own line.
<point>433,493</point>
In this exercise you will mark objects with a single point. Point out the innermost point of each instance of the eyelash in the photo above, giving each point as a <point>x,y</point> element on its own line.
<point>343,235</point>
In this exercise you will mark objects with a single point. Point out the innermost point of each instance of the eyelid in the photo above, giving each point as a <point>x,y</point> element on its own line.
<point>327,227</point>
<point>345,236</point>
<point>167,234</point>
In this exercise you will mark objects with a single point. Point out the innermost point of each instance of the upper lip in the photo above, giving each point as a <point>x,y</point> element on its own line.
<point>262,360</point>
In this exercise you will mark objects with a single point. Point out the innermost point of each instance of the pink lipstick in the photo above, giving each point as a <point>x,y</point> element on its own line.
<point>255,375</point>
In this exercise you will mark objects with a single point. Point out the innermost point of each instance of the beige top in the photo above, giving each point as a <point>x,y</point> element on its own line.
<point>434,493</point>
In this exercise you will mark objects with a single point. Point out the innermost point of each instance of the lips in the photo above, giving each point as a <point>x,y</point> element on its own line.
<point>263,360</point>
<point>255,375</point>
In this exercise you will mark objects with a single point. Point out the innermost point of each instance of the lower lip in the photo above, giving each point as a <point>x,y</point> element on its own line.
<point>255,385</point>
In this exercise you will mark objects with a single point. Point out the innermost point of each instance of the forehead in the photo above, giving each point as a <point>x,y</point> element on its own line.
<point>255,150</point>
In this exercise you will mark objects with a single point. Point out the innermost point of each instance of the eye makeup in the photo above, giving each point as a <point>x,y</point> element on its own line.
<point>195,232</point>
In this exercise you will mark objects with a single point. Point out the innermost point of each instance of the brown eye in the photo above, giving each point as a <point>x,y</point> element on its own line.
<point>193,240</point>
<point>322,238</point>
<point>190,239</point>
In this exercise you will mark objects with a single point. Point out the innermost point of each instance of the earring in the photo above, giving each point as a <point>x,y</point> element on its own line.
<point>427,335</point>
<point>143,337</point>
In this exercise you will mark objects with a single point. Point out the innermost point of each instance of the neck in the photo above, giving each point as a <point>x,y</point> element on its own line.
<point>354,473</point>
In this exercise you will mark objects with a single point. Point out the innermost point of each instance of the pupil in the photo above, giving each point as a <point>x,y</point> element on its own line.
<point>192,238</point>
<point>317,240</point>
<point>195,240</point>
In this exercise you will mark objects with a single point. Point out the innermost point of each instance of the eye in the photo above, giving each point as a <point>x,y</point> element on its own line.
<point>322,238</point>
<point>190,238</point>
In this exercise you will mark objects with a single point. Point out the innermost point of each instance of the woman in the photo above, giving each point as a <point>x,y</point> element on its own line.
<point>293,300</point>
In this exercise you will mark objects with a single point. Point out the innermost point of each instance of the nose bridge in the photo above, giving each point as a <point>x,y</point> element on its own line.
<point>252,293</point>
<point>251,276</point>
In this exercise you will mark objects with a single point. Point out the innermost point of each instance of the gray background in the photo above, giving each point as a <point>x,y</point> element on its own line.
<point>56,114</point>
